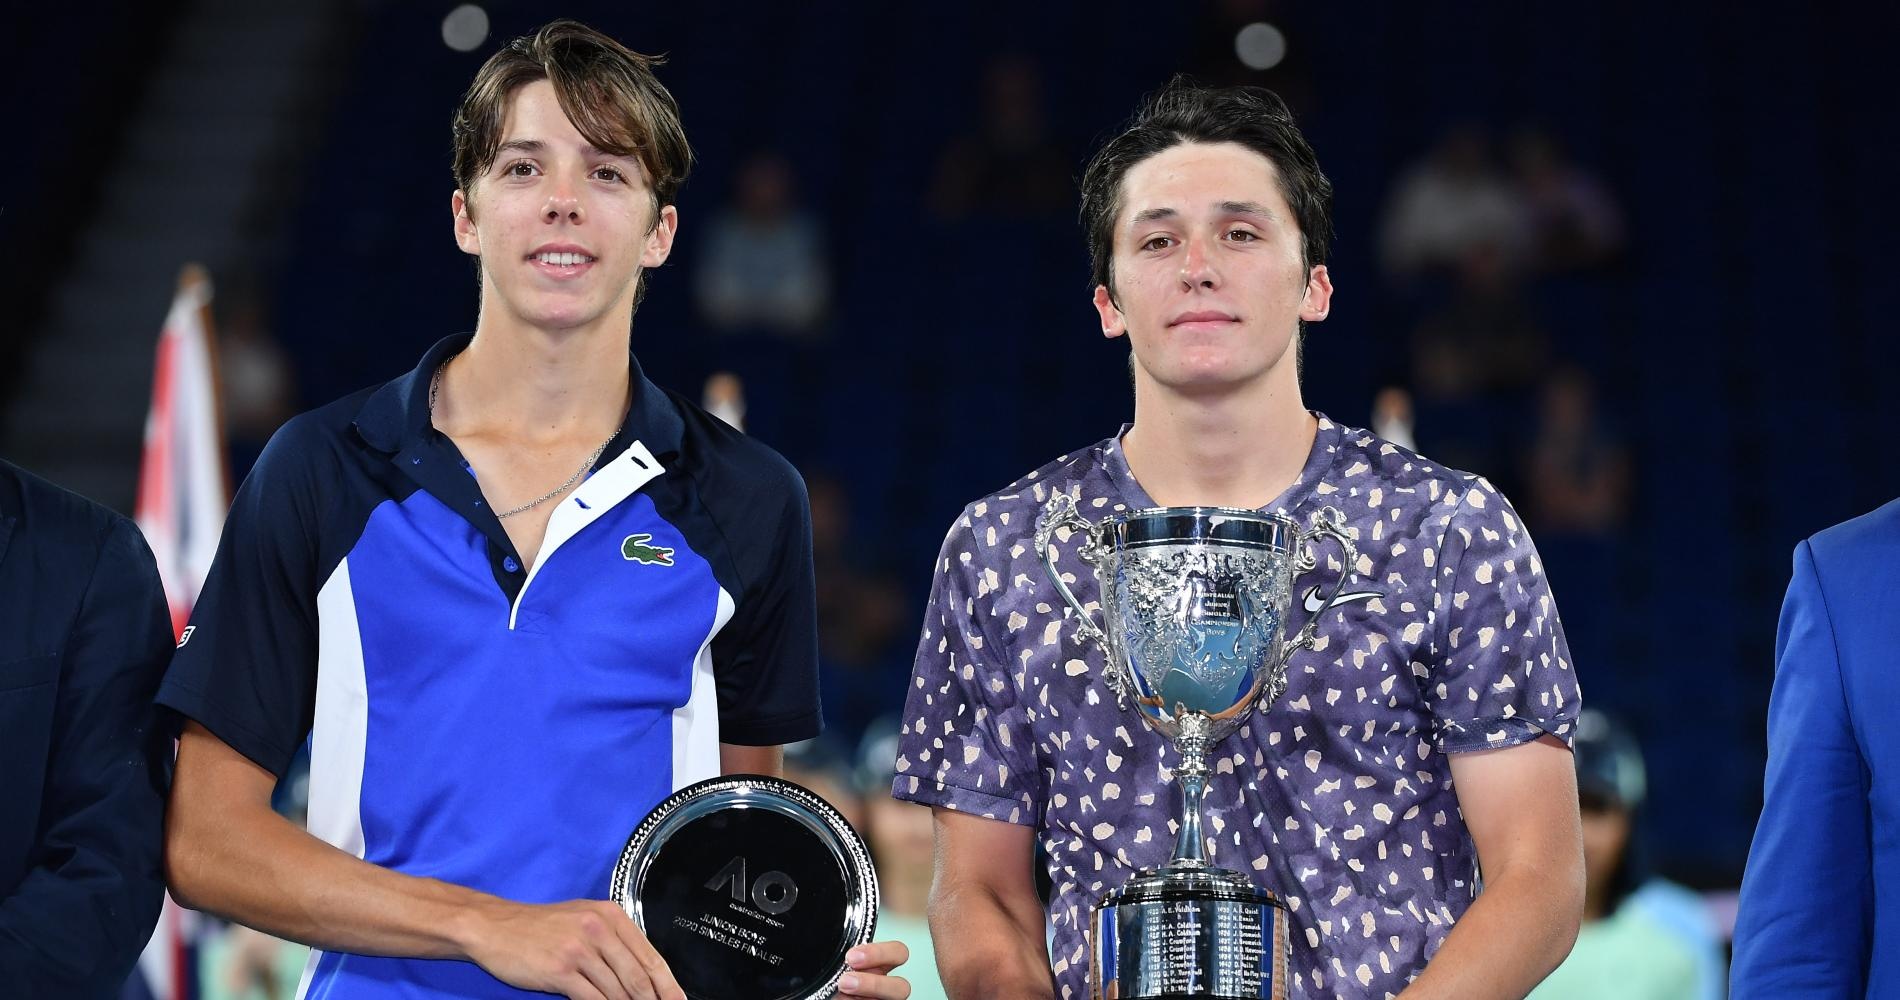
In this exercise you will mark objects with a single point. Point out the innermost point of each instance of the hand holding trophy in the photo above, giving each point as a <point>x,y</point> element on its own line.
<point>1195,600</point>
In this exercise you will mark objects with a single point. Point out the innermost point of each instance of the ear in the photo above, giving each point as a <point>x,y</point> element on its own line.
<point>659,243</point>
<point>465,235</point>
<point>1114,324</point>
<point>1318,300</point>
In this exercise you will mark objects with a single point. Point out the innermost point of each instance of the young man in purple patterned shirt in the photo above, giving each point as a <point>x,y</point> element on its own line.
<point>1427,733</point>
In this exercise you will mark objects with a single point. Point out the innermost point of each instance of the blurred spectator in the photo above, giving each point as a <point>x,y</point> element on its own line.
<point>1452,204</point>
<point>1488,320</point>
<point>1580,473</point>
<point>862,615</point>
<point>903,844</point>
<point>1475,363</point>
<point>724,397</point>
<point>240,963</point>
<point>1643,938</point>
<point>1392,417</point>
<point>259,393</point>
<point>763,269</point>
<point>1009,167</point>
<point>1578,501</point>
<point>824,767</point>
<point>1574,222</point>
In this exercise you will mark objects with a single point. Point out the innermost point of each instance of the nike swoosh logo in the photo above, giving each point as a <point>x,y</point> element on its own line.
<point>1314,602</point>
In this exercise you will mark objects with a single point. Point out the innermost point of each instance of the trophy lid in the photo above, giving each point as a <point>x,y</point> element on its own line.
<point>1179,525</point>
<point>749,886</point>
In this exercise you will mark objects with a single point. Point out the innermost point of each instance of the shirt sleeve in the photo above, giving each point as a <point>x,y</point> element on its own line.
<point>1806,920</point>
<point>74,925</point>
<point>246,668</point>
<point>765,661</point>
<point>1500,673</point>
<point>967,742</point>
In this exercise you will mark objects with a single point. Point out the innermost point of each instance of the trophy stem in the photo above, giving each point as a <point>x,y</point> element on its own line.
<point>1190,847</point>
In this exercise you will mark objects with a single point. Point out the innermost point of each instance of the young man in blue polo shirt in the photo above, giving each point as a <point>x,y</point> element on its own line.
<point>513,598</point>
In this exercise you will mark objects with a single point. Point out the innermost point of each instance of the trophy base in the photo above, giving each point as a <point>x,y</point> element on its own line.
<point>1186,932</point>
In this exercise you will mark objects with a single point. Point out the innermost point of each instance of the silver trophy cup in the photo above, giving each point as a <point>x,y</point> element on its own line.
<point>1195,600</point>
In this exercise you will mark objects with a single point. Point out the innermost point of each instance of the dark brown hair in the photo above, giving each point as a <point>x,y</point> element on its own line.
<point>607,90</point>
<point>1184,112</point>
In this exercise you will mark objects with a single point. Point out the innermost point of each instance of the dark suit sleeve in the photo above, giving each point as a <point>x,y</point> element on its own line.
<point>76,923</point>
<point>1807,897</point>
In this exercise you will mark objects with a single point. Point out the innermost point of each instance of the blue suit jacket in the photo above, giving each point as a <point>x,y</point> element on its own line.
<point>1820,909</point>
<point>84,638</point>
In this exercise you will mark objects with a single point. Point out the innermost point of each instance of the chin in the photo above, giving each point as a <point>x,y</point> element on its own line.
<point>1203,376</point>
<point>560,318</point>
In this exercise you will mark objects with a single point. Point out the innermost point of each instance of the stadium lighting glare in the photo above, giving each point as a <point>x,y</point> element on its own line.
<point>465,28</point>
<point>1260,45</point>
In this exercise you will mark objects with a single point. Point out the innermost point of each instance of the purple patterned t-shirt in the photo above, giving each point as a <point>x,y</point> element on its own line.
<point>1338,797</point>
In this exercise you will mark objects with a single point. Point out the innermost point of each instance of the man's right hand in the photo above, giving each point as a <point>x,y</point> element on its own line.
<point>583,949</point>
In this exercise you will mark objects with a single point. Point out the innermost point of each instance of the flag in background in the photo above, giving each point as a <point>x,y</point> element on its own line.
<point>184,493</point>
<point>184,487</point>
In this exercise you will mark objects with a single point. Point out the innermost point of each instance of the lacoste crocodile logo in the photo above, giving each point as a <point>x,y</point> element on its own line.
<point>1314,602</point>
<point>636,549</point>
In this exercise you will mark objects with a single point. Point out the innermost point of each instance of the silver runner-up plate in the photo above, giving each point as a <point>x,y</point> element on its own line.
<point>751,888</point>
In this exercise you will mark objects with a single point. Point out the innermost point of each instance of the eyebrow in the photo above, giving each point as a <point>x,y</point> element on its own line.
<point>1148,215</point>
<point>536,146</point>
<point>1247,208</point>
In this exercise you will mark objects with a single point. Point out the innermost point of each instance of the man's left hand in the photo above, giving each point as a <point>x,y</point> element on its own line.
<point>870,976</point>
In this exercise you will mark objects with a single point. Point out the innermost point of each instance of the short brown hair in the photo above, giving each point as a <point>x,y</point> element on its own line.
<point>607,90</point>
<point>1185,112</point>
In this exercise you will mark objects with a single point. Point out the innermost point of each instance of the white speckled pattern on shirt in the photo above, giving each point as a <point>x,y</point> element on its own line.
<point>1339,797</point>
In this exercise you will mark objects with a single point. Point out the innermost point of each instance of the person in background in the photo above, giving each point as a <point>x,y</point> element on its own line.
<point>1574,221</point>
<point>257,389</point>
<point>84,638</point>
<point>764,267</point>
<point>1643,938</point>
<point>903,847</point>
<point>824,768</point>
<point>1453,202</point>
<point>1009,166</point>
<point>1820,906</point>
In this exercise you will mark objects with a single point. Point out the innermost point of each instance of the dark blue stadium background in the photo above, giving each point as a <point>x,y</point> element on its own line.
<point>1743,345</point>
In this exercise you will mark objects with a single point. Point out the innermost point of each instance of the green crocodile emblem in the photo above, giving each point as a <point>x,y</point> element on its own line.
<point>636,549</point>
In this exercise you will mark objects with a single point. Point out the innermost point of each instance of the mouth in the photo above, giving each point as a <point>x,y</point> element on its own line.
<point>562,259</point>
<point>561,263</point>
<point>1205,319</point>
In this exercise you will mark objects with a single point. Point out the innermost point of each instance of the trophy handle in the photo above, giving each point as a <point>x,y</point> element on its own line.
<point>1327,523</point>
<point>1059,513</point>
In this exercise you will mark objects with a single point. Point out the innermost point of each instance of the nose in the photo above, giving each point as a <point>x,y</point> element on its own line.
<point>1197,266</point>
<point>563,205</point>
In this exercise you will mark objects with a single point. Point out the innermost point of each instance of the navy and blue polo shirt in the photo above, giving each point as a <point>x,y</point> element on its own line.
<point>476,721</point>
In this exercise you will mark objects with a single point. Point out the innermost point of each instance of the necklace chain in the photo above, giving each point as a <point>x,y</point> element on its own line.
<point>435,388</point>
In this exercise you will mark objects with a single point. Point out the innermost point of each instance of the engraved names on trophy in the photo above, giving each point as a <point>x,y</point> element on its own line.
<point>1200,946</point>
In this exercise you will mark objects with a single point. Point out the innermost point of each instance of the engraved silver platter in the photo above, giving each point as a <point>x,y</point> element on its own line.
<point>751,888</point>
